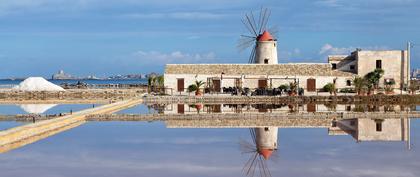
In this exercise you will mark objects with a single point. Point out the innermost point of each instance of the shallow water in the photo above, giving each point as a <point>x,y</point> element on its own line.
<point>46,108</point>
<point>151,149</point>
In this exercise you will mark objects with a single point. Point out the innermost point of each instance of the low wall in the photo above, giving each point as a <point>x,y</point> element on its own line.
<point>72,94</point>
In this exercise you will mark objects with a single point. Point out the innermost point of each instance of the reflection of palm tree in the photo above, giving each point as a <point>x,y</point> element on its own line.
<point>261,148</point>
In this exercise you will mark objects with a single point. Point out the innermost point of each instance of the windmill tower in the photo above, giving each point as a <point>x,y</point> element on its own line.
<point>262,148</point>
<point>264,45</point>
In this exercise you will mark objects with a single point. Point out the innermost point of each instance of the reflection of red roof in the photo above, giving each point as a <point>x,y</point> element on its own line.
<point>266,153</point>
<point>265,36</point>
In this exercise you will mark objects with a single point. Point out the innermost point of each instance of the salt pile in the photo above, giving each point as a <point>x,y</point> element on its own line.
<point>37,84</point>
<point>36,108</point>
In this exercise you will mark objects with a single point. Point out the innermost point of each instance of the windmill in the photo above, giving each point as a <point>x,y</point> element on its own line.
<point>264,45</point>
<point>264,143</point>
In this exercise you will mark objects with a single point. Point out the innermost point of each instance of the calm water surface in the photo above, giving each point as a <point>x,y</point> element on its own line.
<point>152,149</point>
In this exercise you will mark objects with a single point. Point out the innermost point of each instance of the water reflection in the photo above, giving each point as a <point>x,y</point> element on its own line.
<point>264,143</point>
<point>36,108</point>
<point>274,108</point>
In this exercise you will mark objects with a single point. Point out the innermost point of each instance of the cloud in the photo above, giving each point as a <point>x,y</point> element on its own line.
<point>178,141</point>
<point>329,49</point>
<point>174,57</point>
<point>176,15</point>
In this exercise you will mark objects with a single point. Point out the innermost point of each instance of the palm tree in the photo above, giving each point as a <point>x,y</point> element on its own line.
<point>359,85</point>
<point>160,82</point>
<point>151,82</point>
<point>198,85</point>
<point>373,78</point>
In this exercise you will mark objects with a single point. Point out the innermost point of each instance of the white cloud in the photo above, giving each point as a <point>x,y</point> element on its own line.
<point>329,49</point>
<point>176,15</point>
<point>174,57</point>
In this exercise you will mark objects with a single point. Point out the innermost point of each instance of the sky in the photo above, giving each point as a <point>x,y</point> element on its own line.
<point>102,38</point>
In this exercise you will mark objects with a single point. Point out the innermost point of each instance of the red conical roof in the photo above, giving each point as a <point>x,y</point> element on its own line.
<point>265,36</point>
<point>266,153</point>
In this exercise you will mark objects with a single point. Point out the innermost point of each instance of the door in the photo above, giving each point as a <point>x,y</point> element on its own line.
<point>216,85</point>
<point>262,83</point>
<point>311,107</point>
<point>181,109</point>
<point>180,85</point>
<point>311,85</point>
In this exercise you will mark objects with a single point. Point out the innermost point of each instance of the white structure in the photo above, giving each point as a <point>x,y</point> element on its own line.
<point>266,140</point>
<point>360,62</point>
<point>266,49</point>
<point>37,84</point>
<point>309,76</point>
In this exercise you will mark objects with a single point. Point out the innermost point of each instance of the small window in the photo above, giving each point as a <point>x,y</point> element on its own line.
<point>348,82</point>
<point>378,126</point>
<point>378,64</point>
<point>334,66</point>
<point>352,67</point>
<point>348,108</point>
<point>266,129</point>
<point>266,61</point>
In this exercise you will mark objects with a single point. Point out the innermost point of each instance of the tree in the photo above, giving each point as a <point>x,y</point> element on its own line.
<point>359,85</point>
<point>151,83</point>
<point>330,87</point>
<point>373,78</point>
<point>293,88</point>
<point>198,85</point>
<point>389,89</point>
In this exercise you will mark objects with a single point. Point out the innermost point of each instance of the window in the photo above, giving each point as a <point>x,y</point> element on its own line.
<point>266,129</point>
<point>348,82</point>
<point>352,123</point>
<point>378,126</point>
<point>348,108</point>
<point>266,61</point>
<point>378,64</point>
<point>334,66</point>
<point>352,67</point>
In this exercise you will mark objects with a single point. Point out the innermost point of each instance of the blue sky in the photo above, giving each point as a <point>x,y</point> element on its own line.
<point>83,37</point>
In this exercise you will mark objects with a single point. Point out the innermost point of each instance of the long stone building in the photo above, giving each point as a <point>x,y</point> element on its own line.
<point>265,72</point>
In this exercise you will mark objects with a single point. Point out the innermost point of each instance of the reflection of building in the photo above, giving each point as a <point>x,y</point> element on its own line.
<point>266,140</point>
<point>373,129</point>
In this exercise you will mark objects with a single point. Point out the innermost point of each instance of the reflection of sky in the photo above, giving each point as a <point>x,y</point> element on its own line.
<point>138,109</point>
<point>149,149</point>
<point>9,124</point>
<point>16,109</point>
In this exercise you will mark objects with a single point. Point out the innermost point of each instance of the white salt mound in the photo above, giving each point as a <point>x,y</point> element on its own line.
<point>36,108</point>
<point>37,84</point>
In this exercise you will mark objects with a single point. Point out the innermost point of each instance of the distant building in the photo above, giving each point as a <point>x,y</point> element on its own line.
<point>61,76</point>
<point>415,74</point>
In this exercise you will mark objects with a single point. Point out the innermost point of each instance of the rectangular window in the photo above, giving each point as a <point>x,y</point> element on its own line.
<point>378,64</point>
<point>352,67</point>
<point>334,66</point>
<point>378,126</point>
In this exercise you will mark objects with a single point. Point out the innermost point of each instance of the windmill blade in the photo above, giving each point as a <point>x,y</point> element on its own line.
<point>260,21</point>
<point>266,169</point>
<point>247,165</point>
<point>267,17</point>
<point>263,18</point>
<point>251,168</point>
<point>253,136</point>
<point>246,146</point>
<point>252,56</point>
<point>252,26</point>
<point>245,43</point>
<point>248,26</point>
<point>273,31</point>
<point>255,24</point>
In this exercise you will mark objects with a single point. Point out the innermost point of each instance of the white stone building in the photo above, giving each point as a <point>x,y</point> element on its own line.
<point>267,73</point>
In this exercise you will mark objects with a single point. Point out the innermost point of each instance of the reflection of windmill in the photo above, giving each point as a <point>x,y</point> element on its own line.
<point>264,50</point>
<point>262,148</point>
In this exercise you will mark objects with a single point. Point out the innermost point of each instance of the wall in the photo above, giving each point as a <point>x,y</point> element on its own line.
<point>393,63</point>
